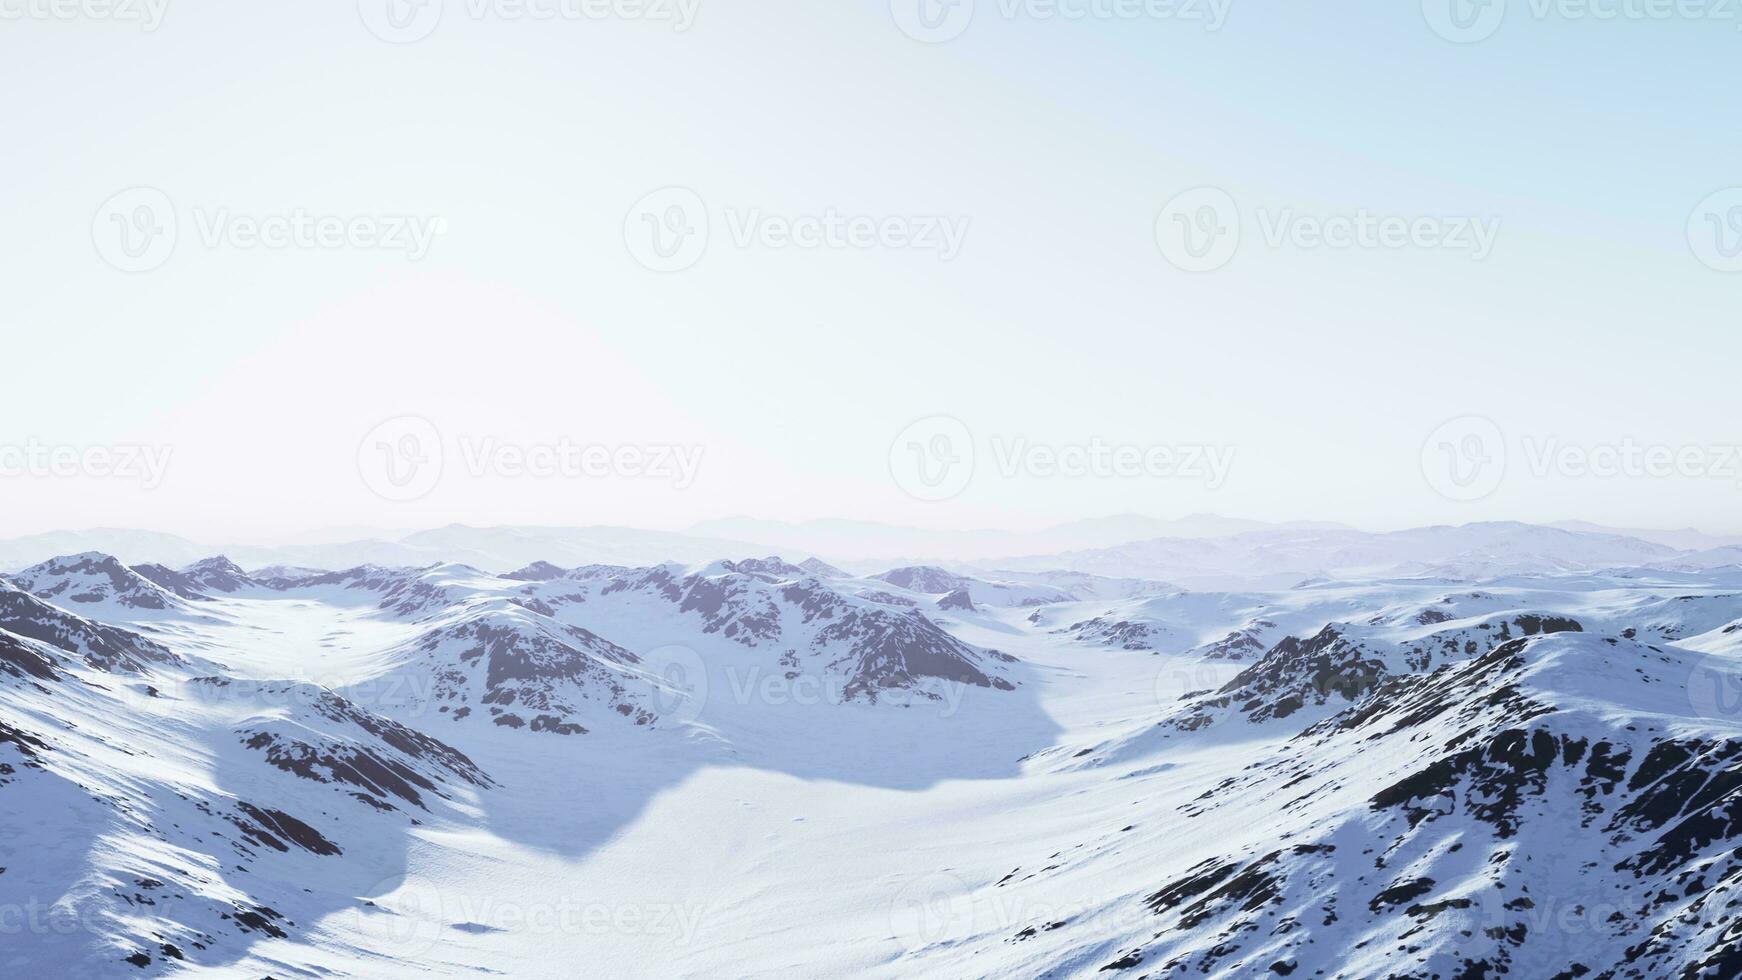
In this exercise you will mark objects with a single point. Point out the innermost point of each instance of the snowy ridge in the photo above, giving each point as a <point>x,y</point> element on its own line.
<point>95,580</point>
<point>190,813</point>
<point>384,771</point>
<point>1431,821</point>
<point>522,668</point>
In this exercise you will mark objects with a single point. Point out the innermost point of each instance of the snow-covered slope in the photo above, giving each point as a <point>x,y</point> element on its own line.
<point>520,667</point>
<point>154,818</point>
<point>1547,809</point>
<point>757,767</point>
<point>96,582</point>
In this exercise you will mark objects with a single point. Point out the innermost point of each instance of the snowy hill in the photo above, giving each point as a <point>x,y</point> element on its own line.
<point>96,581</point>
<point>1279,558</point>
<point>1543,810</point>
<point>436,770</point>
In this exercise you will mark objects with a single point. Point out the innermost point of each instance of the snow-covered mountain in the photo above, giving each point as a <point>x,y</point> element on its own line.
<point>1544,809</point>
<point>511,661</point>
<point>862,541</point>
<point>1278,559</point>
<point>130,546</point>
<point>97,581</point>
<point>1681,539</point>
<point>1201,551</point>
<point>754,766</point>
<point>493,548</point>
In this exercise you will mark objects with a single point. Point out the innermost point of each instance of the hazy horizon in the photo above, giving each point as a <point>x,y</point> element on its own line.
<point>339,534</point>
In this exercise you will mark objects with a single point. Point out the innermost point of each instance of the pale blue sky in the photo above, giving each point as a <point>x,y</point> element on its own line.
<point>1060,322</point>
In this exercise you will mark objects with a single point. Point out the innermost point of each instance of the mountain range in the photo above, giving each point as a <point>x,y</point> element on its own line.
<point>1202,550</point>
<point>744,764</point>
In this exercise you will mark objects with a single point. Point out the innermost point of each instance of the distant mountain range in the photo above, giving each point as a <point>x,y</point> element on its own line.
<point>495,549</point>
<point>1280,558</point>
<point>868,541</point>
<point>1202,551</point>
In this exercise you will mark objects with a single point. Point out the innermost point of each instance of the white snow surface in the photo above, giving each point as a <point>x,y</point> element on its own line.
<point>744,768</point>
